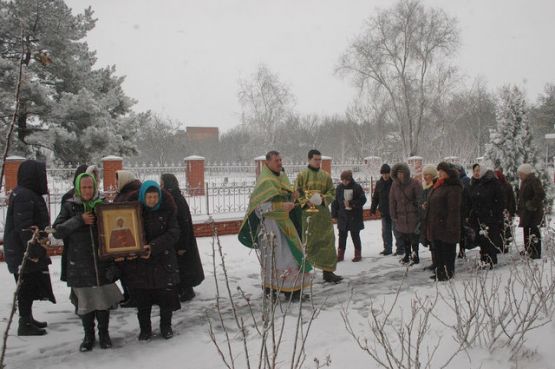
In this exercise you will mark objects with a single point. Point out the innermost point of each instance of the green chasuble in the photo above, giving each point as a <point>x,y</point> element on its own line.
<point>277,189</point>
<point>320,240</point>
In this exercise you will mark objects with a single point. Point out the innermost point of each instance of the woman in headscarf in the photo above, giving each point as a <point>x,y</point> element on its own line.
<point>443,219</point>
<point>191,273</point>
<point>153,277</point>
<point>87,276</point>
<point>27,208</point>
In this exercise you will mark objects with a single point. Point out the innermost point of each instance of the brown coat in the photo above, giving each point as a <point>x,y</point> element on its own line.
<point>443,214</point>
<point>530,202</point>
<point>404,200</point>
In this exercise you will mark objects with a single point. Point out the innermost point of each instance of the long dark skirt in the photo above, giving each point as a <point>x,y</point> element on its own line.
<point>166,298</point>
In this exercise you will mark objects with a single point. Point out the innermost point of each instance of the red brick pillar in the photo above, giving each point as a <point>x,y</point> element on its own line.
<point>11,166</point>
<point>110,164</point>
<point>415,165</point>
<point>194,172</point>
<point>326,164</point>
<point>259,162</point>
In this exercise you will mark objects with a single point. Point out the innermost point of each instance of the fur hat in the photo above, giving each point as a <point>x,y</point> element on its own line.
<point>525,169</point>
<point>385,169</point>
<point>429,169</point>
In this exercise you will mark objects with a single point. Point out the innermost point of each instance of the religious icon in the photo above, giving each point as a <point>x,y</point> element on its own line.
<point>120,229</point>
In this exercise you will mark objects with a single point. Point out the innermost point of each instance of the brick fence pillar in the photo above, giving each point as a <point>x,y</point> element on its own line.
<point>326,164</point>
<point>415,165</point>
<point>111,164</point>
<point>11,166</point>
<point>259,161</point>
<point>194,172</point>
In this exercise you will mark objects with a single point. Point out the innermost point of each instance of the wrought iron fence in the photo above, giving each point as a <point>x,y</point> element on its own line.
<point>226,192</point>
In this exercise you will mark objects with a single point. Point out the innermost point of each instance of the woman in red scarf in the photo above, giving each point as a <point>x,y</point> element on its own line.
<point>443,221</point>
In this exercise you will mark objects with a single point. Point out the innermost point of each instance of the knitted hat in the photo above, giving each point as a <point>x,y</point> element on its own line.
<point>385,169</point>
<point>525,169</point>
<point>429,169</point>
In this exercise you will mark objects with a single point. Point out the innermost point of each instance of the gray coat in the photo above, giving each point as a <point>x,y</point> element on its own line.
<point>404,200</point>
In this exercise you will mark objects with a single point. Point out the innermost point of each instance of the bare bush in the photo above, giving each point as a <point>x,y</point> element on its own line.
<point>266,324</point>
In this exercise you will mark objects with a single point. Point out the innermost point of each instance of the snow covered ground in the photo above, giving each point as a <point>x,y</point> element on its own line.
<point>374,277</point>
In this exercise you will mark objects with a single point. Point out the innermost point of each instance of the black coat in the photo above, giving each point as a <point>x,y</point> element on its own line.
<point>191,273</point>
<point>530,202</point>
<point>487,202</point>
<point>26,208</point>
<point>161,232</point>
<point>68,196</point>
<point>127,191</point>
<point>443,211</point>
<point>349,220</point>
<point>380,197</point>
<point>79,241</point>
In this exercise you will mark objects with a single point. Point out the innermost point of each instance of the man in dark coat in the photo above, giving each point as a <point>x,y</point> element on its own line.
<point>191,273</point>
<point>404,207</point>
<point>153,278</point>
<point>486,216</point>
<point>27,208</point>
<point>380,201</point>
<point>530,210</point>
<point>465,181</point>
<point>348,214</point>
<point>443,221</point>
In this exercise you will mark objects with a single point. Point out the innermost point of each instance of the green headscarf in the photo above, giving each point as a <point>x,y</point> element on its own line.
<point>91,204</point>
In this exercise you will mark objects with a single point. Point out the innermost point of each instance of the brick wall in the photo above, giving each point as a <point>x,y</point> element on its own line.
<point>224,227</point>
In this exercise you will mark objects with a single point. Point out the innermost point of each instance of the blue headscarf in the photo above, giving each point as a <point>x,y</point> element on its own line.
<point>142,193</point>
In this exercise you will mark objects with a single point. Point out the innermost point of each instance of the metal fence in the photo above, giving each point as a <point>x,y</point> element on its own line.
<point>226,193</point>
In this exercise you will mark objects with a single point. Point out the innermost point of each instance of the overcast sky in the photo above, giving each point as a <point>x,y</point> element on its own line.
<point>183,58</point>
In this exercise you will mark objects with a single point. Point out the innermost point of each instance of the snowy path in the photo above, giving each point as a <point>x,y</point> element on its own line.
<point>374,277</point>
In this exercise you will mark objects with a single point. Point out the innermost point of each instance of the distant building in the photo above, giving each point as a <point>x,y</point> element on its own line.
<point>202,135</point>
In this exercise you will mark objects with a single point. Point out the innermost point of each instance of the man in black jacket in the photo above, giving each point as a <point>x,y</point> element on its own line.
<point>380,200</point>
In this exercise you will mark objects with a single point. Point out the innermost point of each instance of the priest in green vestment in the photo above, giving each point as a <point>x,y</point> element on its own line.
<point>269,227</point>
<point>317,192</point>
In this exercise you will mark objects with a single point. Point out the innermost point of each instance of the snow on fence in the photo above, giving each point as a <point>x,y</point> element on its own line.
<point>227,187</point>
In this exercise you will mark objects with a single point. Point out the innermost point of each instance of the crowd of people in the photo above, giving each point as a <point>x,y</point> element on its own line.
<point>163,274</point>
<point>290,224</point>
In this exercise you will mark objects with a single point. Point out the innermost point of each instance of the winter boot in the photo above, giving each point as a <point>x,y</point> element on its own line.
<point>331,277</point>
<point>415,259</point>
<point>88,327</point>
<point>144,323</point>
<point>103,318</point>
<point>166,324</point>
<point>358,256</point>
<point>406,258</point>
<point>27,328</point>
<point>340,254</point>
<point>186,294</point>
<point>38,324</point>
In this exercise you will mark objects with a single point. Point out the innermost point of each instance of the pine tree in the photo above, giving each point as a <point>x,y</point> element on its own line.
<point>511,142</point>
<point>67,106</point>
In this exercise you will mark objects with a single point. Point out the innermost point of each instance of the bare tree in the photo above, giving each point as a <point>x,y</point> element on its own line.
<point>403,54</point>
<point>266,104</point>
